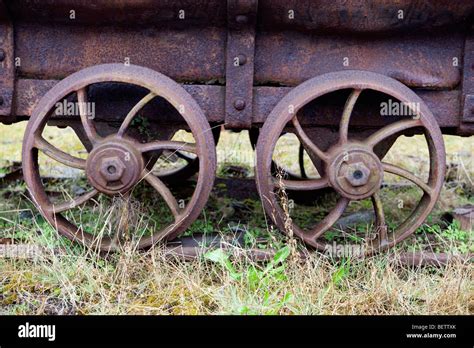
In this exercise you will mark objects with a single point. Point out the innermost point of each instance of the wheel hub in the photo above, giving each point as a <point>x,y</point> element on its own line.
<point>114,166</point>
<point>355,172</point>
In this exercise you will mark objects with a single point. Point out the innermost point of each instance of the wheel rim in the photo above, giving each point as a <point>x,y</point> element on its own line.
<point>119,153</point>
<point>358,81</point>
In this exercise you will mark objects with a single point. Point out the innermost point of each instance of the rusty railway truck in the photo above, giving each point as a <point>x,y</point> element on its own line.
<point>268,66</point>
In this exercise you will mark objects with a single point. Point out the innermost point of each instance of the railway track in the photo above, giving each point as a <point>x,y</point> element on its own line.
<point>194,248</point>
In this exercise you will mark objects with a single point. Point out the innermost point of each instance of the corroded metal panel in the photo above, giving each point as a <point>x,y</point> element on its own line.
<point>368,16</point>
<point>417,60</point>
<point>56,51</point>
<point>468,80</point>
<point>7,72</point>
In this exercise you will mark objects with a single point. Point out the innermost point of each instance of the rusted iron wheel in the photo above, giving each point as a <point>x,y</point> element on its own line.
<point>352,168</point>
<point>116,163</point>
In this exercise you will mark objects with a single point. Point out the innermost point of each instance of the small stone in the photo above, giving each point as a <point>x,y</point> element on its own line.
<point>25,215</point>
<point>78,190</point>
<point>465,216</point>
<point>361,217</point>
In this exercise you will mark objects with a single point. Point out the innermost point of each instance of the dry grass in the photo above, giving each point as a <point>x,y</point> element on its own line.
<point>151,283</point>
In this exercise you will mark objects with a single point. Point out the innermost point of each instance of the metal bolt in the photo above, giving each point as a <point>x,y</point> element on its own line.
<point>357,174</point>
<point>241,19</point>
<point>239,104</point>
<point>112,168</point>
<point>2,55</point>
<point>242,59</point>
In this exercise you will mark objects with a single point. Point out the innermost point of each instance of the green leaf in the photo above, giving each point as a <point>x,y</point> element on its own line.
<point>281,255</point>
<point>253,277</point>
<point>340,273</point>
<point>220,257</point>
<point>244,310</point>
<point>232,272</point>
<point>217,256</point>
<point>287,298</point>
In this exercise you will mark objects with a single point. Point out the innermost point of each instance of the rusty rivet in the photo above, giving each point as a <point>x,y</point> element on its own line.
<point>242,59</point>
<point>239,104</point>
<point>2,55</point>
<point>241,19</point>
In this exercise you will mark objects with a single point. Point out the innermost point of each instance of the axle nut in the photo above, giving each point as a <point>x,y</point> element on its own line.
<point>357,174</point>
<point>112,169</point>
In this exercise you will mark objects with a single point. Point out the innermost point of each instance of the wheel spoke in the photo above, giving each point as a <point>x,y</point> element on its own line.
<point>58,155</point>
<point>346,115</point>
<point>302,185</point>
<point>381,226</point>
<point>83,138</point>
<point>390,168</point>
<point>128,119</point>
<point>58,208</point>
<point>306,141</point>
<point>86,121</point>
<point>390,130</point>
<point>168,145</point>
<point>330,219</point>
<point>164,191</point>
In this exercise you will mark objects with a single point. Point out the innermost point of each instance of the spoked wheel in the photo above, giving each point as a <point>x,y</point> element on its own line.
<point>352,167</point>
<point>117,162</point>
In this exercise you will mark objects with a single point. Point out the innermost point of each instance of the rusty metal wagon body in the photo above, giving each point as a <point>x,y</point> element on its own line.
<point>242,64</point>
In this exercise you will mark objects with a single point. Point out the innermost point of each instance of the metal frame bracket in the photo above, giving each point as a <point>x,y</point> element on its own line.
<point>241,18</point>
<point>468,79</point>
<point>7,70</point>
